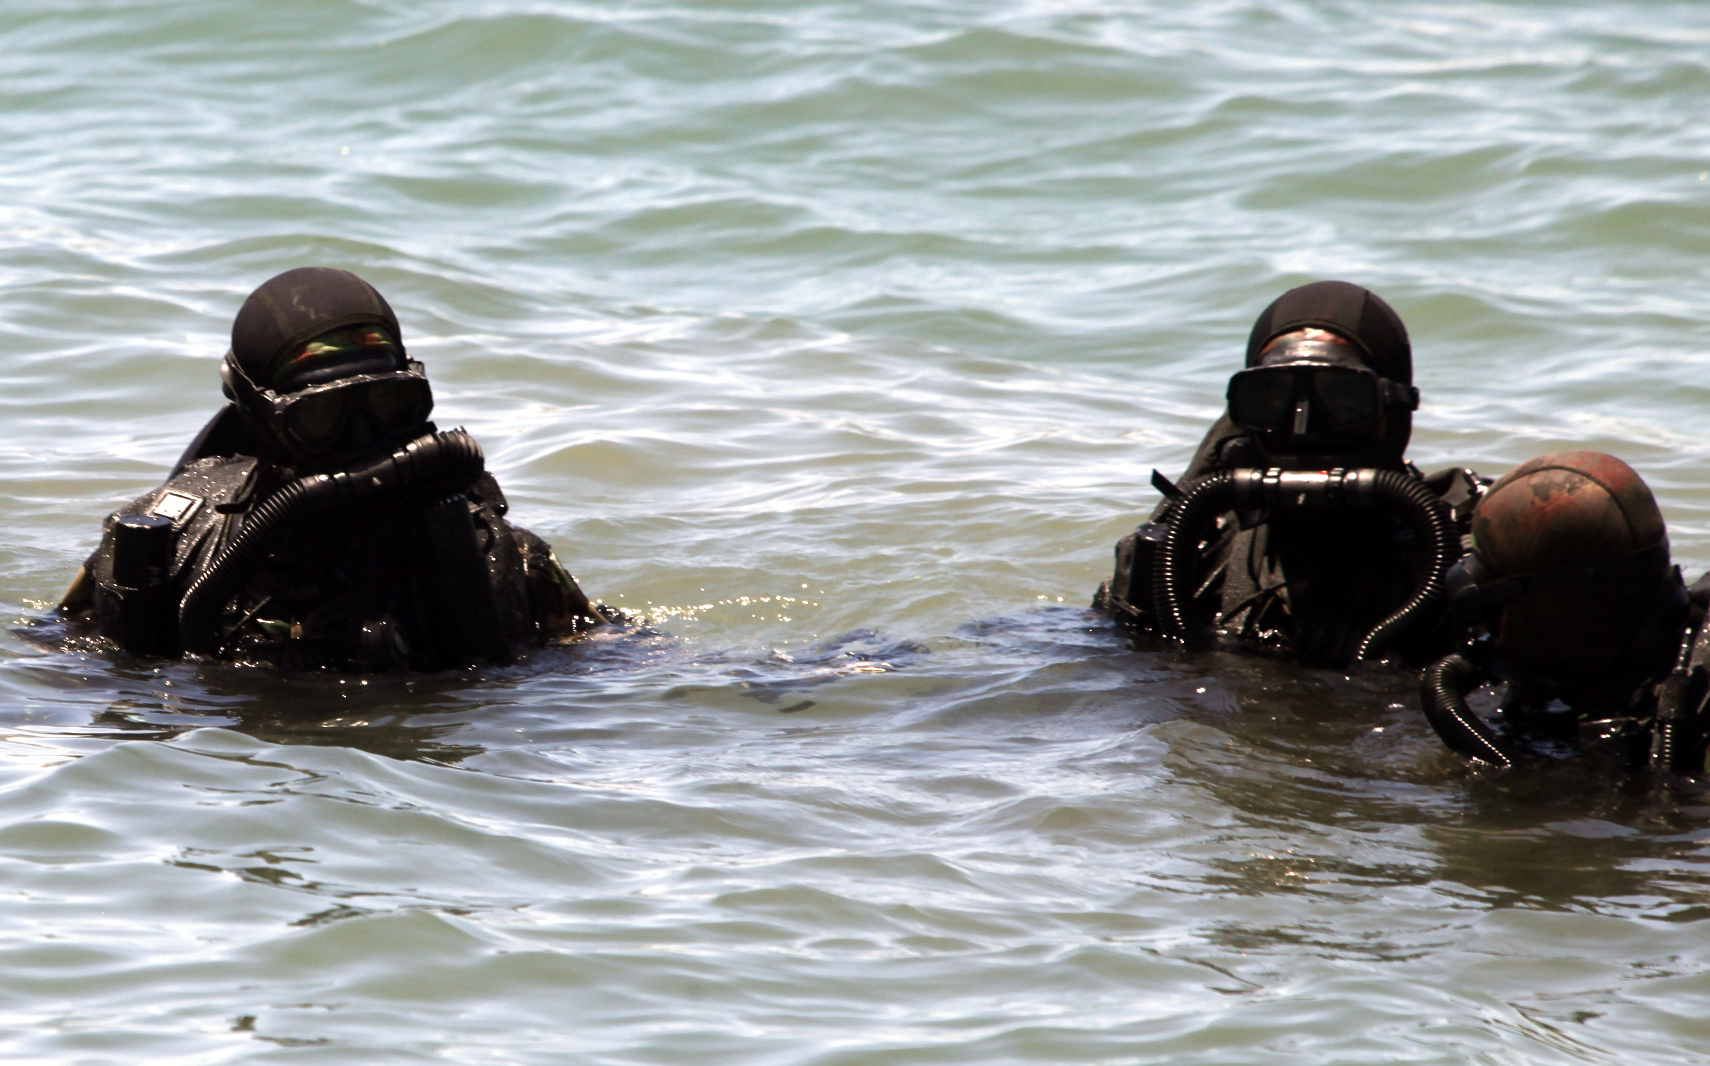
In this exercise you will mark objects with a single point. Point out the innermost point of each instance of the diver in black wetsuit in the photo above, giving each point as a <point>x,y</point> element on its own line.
<point>1299,524</point>
<point>319,521</point>
<point>1573,606</point>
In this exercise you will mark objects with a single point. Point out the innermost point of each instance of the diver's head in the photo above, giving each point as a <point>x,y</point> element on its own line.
<point>1328,380</point>
<point>317,361</point>
<point>1570,568</point>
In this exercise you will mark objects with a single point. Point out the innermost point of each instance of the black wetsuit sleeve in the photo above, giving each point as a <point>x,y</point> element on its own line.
<point>78,603</point>
<point>1127,596</point>
<point>559,606</point>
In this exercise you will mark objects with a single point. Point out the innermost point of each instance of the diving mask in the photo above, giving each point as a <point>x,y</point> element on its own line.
<point>318,419</point>
<point>1302,399</point>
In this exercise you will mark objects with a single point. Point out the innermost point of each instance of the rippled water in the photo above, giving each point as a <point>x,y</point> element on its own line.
<point>838,339</point>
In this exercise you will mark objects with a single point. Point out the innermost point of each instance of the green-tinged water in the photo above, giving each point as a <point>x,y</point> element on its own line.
<point>839,339</point>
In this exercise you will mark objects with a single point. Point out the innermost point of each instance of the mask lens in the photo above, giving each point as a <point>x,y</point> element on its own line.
<point>321,418</point>
<point>398,404</point>
<point>314,421</point>
<point>1349,397</point>
<point>1262,399</point>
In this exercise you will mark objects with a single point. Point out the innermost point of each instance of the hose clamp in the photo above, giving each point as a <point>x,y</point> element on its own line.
<point>1338,487</point>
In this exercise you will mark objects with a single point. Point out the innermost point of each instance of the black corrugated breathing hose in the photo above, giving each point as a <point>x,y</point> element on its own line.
<point>1226,490</point>
<point>432,457</point>
<point>1192,513</point>
<point>1443,691</point>
<point>1671,700</point>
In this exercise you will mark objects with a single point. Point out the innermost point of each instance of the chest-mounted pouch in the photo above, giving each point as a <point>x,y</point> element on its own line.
<point>1273,489</point>
<point>137,609</point>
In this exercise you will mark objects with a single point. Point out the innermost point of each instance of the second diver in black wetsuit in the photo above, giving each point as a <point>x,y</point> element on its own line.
<point>1299,524</point>
<point>320,521</point>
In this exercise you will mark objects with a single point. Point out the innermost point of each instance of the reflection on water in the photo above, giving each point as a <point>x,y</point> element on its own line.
<point>412,716</point>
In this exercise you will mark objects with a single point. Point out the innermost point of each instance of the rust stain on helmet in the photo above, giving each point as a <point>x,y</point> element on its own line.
<point>1584,533</point>
<point>1563,509</point>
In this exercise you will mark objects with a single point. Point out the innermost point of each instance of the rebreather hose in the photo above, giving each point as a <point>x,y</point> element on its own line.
<point>1443,691</point>
<point>431,457</point>
<point>1226,490</point>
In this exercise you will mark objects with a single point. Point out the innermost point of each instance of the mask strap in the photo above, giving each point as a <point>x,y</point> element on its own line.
<point>1395,394</point>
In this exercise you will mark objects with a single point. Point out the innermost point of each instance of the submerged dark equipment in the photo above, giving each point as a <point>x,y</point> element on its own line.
<point>1275,489</point>
<point>1305,398</point>
<point>452,459</point>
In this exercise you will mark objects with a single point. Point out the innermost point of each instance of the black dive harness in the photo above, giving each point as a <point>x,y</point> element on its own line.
<point>153,555</point>
<point>448,457</point>
<point>1198,506</point>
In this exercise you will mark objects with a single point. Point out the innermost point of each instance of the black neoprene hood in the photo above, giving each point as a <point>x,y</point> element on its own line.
<point>1362,318</point>
<point>297,306</point>
<point>1349,311</point>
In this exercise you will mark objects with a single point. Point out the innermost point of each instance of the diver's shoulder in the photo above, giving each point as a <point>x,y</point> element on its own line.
<point>200,485</point>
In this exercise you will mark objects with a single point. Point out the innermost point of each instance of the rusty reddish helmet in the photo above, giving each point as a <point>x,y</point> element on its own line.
<point>1576,546</point>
